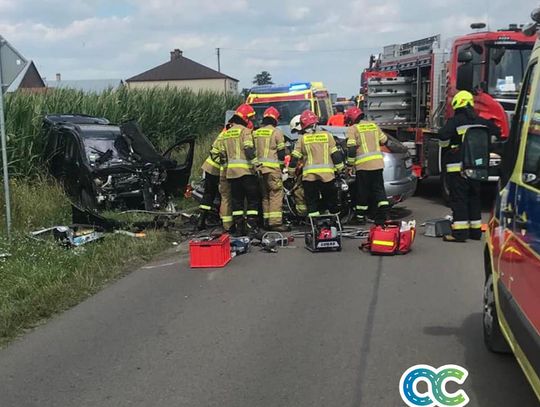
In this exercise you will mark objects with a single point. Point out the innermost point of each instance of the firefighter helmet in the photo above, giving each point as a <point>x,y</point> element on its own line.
<point>245,112</point>
<point>272,112</point>
<point>308,118</point>
<point>461,99</point>
<point>352,114</point>
<point>295,124</point>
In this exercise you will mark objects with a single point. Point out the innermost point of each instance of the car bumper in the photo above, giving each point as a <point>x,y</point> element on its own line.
<point>400,190</point>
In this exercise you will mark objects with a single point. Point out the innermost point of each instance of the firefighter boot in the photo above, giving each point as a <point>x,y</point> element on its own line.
<point>239,228</point>
<point>252,227</point>
<point>201,223</point>
<point>280,228</point>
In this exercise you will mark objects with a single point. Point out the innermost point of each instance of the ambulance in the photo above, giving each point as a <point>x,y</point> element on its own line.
<point>292,99</point>
<point>511,314</point>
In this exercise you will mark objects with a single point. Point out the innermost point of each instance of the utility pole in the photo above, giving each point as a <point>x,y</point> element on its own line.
<point>11,65</point>
<point>218,59</point>
<point>5,172</point>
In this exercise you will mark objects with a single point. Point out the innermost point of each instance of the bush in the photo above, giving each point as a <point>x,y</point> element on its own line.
<point>166,116</point>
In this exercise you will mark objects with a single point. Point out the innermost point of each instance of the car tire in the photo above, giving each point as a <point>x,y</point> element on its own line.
<point>493,336</point>
<point>87,201</point>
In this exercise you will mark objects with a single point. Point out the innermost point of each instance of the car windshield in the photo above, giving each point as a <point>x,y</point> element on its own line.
<point>287,109</point>
<point>506,69</point>
<point>101,147</point>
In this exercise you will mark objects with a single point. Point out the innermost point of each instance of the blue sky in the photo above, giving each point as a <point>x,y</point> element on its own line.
<point>296,40</point>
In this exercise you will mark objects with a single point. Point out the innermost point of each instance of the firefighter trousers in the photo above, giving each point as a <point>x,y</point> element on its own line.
<point>225,209</point>
<point>320,196</point>
<point>272,198</point>
<point>299,197</point>
<point>466,207</point>
<point>245,190</point>
<point>370,189</point>
<point>211,187</point>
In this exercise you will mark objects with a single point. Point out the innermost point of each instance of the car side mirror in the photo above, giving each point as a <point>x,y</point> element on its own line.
<point>465,56</point>
<point>465,74</point>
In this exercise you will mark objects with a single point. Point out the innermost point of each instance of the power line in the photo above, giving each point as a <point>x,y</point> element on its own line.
<point>300,50</point>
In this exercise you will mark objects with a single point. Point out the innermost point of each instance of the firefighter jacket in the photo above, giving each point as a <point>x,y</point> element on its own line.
<point>451,135</point>
<point>212,164</point>
<point>237,149</point>
<point>320,155</point>
<point>270,147</point>
<point>364,142</point>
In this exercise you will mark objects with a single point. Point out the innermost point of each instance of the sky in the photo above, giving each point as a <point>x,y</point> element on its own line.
<point>295,40</point>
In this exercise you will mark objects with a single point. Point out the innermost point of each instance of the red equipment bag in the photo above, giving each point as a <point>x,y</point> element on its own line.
<point>389,239</point>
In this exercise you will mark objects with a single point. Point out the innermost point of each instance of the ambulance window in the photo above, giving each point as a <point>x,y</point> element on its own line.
<point>511,147</point>
<point>323,110</point>
<point>531,165</point>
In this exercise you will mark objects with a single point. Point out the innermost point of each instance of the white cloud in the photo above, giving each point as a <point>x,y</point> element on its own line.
<point>102,38</point>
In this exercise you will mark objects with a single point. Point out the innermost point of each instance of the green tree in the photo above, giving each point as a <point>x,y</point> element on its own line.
<point>245,93</point>
<point>263,78</point>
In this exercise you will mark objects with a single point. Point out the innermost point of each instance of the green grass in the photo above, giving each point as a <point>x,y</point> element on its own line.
<point>166,116</point>
<point>38,278</point>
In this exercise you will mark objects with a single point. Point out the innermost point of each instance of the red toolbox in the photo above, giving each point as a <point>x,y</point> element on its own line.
<point>210,252</point>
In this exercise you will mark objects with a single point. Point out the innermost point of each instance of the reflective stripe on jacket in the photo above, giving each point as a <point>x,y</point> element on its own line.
<point>233,144</point>
<point>367,138</point>
<point>316,150</point>
<point>268,141</point>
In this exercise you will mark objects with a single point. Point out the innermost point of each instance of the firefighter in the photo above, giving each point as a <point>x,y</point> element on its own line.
<point>464,192</point>
<point>212,170</point>
<point>238,150</point>
<point>364,140</point>
<point>321,161</point>
<point>270,148</point>
<point>298,189</point>
<point>338,119</point>
<point>225,207</point>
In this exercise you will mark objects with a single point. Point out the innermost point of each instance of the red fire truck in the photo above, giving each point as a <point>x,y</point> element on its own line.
<point>407,89</point>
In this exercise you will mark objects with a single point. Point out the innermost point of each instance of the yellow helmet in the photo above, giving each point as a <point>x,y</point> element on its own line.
<point>461,99</point>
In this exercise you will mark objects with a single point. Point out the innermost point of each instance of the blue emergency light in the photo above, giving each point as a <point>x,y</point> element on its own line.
<point>299,86</point>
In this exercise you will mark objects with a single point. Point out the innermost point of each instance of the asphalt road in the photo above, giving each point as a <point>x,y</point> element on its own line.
<point>287,329</point>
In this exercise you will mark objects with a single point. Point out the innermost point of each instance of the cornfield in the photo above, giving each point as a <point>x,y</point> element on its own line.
<point>166,116</point>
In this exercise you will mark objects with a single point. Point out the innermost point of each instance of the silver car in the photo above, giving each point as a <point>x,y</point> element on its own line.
<point>399,180</point>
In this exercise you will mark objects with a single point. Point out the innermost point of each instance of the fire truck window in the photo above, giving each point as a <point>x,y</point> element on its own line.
<point>476,61</point>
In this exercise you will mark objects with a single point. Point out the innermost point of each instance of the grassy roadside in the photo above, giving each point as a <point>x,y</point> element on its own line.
<point>39,279</point>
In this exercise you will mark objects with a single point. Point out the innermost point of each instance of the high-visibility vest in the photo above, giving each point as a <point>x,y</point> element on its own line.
<point>267,146</point>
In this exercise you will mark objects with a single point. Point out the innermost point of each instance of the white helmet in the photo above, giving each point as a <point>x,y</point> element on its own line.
<point>295,124</point>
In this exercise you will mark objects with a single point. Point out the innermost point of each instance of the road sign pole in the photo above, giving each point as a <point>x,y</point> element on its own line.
<point>7,201</point>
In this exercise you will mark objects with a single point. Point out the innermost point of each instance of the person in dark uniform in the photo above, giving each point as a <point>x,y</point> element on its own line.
<point>464,192</point>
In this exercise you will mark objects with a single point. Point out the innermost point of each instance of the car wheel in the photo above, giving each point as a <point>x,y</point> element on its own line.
<point>87,200</point>
<point>445,188</point>
<point>493,336</point>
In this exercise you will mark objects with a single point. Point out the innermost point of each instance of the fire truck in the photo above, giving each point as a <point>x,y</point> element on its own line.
<point>408,88</point>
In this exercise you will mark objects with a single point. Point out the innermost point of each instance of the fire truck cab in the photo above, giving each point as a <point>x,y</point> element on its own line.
<point>408,87</point>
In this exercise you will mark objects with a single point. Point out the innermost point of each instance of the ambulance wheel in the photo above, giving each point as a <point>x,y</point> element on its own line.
<point>493,336</point>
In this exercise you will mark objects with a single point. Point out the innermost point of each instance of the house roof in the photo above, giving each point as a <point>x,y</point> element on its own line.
<point>177,69</point>
<point>86,85</point>
<point>28,78</point>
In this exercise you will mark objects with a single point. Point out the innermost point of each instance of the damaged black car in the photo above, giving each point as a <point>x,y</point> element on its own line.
<point>107,166</point>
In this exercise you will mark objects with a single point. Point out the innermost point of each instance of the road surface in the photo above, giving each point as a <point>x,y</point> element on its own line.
<point>288,329</point>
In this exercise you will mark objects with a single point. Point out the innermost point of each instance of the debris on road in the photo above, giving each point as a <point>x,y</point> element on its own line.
<point>70,236</point>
